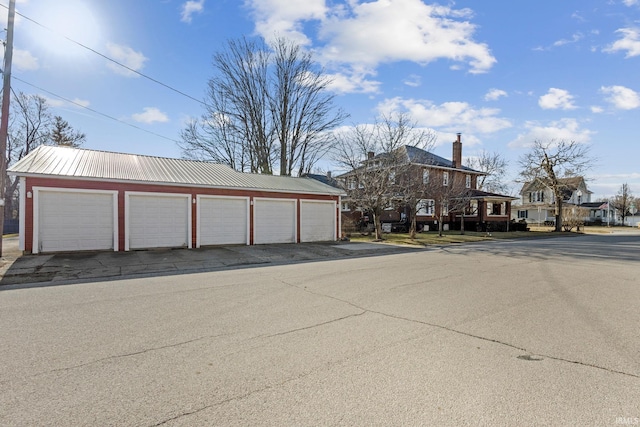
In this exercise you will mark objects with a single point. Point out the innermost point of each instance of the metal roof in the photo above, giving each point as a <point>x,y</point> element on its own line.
<point>67,162</point>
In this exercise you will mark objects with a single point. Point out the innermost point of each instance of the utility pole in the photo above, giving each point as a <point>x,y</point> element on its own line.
<point>4,119</point>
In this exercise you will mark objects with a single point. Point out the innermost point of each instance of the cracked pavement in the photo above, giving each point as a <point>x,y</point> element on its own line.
<point>502,333</point>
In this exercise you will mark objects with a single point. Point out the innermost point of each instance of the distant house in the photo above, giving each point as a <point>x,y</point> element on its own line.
<point>480,210</point>
<point>537,204</point>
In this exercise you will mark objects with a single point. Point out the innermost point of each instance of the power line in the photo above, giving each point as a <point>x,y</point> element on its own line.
<point>111,59</point>
<point>95,111</point>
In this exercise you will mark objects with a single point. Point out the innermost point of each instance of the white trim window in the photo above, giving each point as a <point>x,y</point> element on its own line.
<point>392,177</point>
<point>496,209</point>
<point>467,181</point>
<point>425,176</point>
<point>426,207</point>
<point>351,183</point>
<point>472,208</point>
<point>445,178</point>
<point>445,209</point>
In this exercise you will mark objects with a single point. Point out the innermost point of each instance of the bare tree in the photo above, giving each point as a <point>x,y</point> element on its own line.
<point>547,162</point>
<point>378,171</point>
<point>623,201</point>
<point>64,135</point>
<point>573,217</point>
<point>29,127</point>
<point>268,108</point>
<point>451,196</point>
<point>494,166</point>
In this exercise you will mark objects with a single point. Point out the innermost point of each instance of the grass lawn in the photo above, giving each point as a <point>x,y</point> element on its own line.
<point>432,238</point>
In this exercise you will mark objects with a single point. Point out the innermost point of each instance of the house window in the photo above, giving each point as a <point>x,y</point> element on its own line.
<point>426,207</point>
<point>345,206</point>
<point>523,214</point>
<point>425,176</point>
<point>445,209</point>
<point>392,177</point>
<point>496,208</point>
<point>472,208</point>
<point>445,178</point>
<point>360,185</point>
<point>351,184</point>
<point>467,181</point>
<point>536,196</point>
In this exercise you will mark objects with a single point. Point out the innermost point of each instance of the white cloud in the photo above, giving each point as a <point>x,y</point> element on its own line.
<point>127,56</point>
<point>630,2</point>
<point>150,115</point>
<point>413,80</point>
<point>574,39</point>
<point>449,116</point>
<point>556,99</point>
<point>357,34</point>
<point>563,129</point>
<point>189,8</point>
<point>495,94</point>
<point>284,18</point>
<point>630,42</point>
<point>23,60</point>
<point>621,97</point>
<point>421,33</point>
<point>81,102</point>
<point>353,81</point>
<point>597,109</point>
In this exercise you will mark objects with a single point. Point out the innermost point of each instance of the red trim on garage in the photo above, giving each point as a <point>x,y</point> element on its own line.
<point>122,187</point>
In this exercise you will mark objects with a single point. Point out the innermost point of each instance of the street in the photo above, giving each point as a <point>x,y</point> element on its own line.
<point>526,332</point>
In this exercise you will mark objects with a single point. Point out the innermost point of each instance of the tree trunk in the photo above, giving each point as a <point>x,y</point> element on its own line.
<point>558,213</point>
<point>440,217</point>
<point>378,226</point>
<point>462,223</point>
<point>412,227</point>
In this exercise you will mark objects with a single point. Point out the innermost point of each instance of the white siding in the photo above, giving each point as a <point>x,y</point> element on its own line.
<point>158,220</point>
<point>74,220</point>
<point>223,220</point>
<point>317,221</point>
<point>274,221</point>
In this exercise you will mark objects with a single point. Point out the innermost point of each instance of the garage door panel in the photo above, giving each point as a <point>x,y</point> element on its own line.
<point>223,221</point>
<point>158,221</point>
<point>274,221</point>
<point>317,221</point>
<point>71,221</point>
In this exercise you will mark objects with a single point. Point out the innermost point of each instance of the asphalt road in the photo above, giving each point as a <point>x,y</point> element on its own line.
<point>541,332</point>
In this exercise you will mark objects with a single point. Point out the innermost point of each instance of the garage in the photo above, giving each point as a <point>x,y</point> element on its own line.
<point>317,221</point>
<point>222,220</point>
<point>274,221</point>
<point>157,220</point>
<point>77,199</point>
<point>74,220</point>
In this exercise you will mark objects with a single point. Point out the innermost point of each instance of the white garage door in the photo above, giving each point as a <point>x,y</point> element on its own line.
<point>317,221</point>
<point>274,221</point>
<point>158,221</point>
<point>223,220</point>
<point>71,220</point>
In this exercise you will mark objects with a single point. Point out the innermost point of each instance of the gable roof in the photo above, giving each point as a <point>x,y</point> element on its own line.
<point>67,162</point>
<point>418,156</point>
<point>570,183</point>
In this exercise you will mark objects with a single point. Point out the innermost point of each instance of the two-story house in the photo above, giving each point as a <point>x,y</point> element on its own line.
<point>538,201</point>
<point>438,188</point>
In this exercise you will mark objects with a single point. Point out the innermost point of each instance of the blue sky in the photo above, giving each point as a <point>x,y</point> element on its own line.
<point>503,73</point>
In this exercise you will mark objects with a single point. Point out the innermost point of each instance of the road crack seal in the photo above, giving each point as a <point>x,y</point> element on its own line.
<point>467,334</point>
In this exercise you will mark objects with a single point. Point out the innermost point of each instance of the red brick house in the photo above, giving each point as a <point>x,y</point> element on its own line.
<point>75,199</point>
<point>448,187</point>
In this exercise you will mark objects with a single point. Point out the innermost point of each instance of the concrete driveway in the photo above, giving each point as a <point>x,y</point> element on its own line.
<point>518,333</point>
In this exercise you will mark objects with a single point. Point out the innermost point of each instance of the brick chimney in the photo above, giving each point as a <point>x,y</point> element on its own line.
<point>370,155</point>
<point>457,152</point>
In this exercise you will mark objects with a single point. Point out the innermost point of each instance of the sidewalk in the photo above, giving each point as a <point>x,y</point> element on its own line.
<point>16,269</point>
